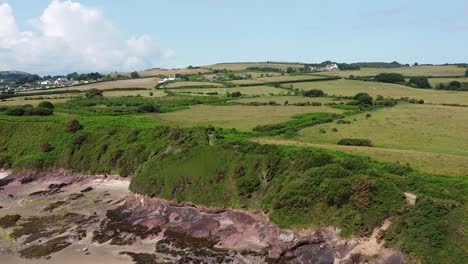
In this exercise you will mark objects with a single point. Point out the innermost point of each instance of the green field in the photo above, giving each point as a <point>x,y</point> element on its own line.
<point>429,128</point>
<point>352,87</point>
<point>406,71</point>
<point>237,116</point>
<point>279,99</point>
<point>251,90</point>
<point>435,81</point>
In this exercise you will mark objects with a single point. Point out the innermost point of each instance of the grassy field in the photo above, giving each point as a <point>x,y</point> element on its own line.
<point>237,116</point>
<point>428,128</point>
<point>248,81</point>
<point>182,84</point>
<point>243,66</point>
<point>172,72</point>
<point>147,83</point>
<point>433,163</point>
<point>407,71</point>
<point>435,81</point>
<point>352,87</point>
<point>145,93</point>
<point>291,99</point>
<point>286,78</point>
<point>251,90</point>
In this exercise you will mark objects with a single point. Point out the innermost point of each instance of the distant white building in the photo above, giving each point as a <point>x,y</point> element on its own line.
<point>62,81</point>
<point>328,67</point>
<point>46,82</point>
<point>168,80</point>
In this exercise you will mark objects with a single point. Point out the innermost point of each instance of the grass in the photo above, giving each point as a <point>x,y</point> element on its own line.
<point>427,128</point>
<point>143,93</point>
<point>286,78</point>
<point>251,90</point>
<point>300,187</point>
<point>171,72</point>
<point>436,81</point>
<point>291,99</point>
<point>406,71</point>
<point>352,87</point>
<point>238,116</point>
<point>243,66</point>
<point>188,84</point>
<point>427,162</point>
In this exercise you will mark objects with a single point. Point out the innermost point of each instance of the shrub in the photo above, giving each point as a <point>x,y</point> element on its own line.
<point>247,184</point>
<point>46,147</point>
<point>390,78</point>
<point>46,104</point>
<point>363,98</point>
<point>396,168</point>
<point>16,111</point>
<point>466,73</point>
<point>41,111</point>
<point>234,94</point>
<point>421,101</point>
<point>93,93</point>
<point>313,93</point>
<point>355,142</point>
<point>79,139</point>
<point>419,82</point>
<point>147,108</point>
<point>361,192</point>
<point>72,126</point>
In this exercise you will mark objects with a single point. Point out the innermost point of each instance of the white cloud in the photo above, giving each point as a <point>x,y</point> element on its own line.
<point>68,37</point>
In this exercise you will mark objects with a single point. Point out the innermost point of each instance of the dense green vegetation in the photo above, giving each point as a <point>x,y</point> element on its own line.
<point>299,187</point>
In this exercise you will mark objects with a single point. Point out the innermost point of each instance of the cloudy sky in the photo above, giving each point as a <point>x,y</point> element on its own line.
<point>61,36</point>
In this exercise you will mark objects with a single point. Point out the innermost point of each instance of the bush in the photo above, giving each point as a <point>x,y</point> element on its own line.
<point>16,111</point>
<point>355,142</point>
<point>93,93</point>
<point>41,111</point>
<point>396,168</point>
<point>363,98</point>
<point>390,78</point>
<point>72,126</point>
<point>147,108</point>
<point>313,93</point>
<point>46,147</point>
<point>46,104</point>
<point>234,94</point>
<point>247,184</point>
<point>361,192</point>
<point>419,82</point>
<point>79,139</point>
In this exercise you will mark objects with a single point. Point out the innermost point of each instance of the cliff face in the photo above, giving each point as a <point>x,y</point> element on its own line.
<point>60,215</point>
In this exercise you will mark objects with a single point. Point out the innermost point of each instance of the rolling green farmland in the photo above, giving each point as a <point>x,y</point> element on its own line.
<point>406,71</point>
<point>352,87</point>
<point>429,128</point>
<point>251,90</point>
<point>238,116</point>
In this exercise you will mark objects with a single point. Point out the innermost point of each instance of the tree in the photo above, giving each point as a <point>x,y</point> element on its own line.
<point>420,82</point>
<point>93,93</point>
<point>390,78</point>
<point>466,73</point>
<point>455,85</point>
<point>134,75</point>
<point>313,93</point>
<point>363,98</point>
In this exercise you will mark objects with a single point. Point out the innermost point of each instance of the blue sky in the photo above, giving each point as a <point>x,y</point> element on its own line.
<point>208,31</point>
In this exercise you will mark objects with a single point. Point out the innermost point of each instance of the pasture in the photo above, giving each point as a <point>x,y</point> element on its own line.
<point>426,128</point>
<point>436,81</point>
<point>172,72</point>
<point>188,84</point>
<point>237,116</point>
<point>433,163</point>
<point>291,99</point>
<point>352,87</point>
<point>243,66</point>
<point>449,70</point>
<point>251,90</point>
